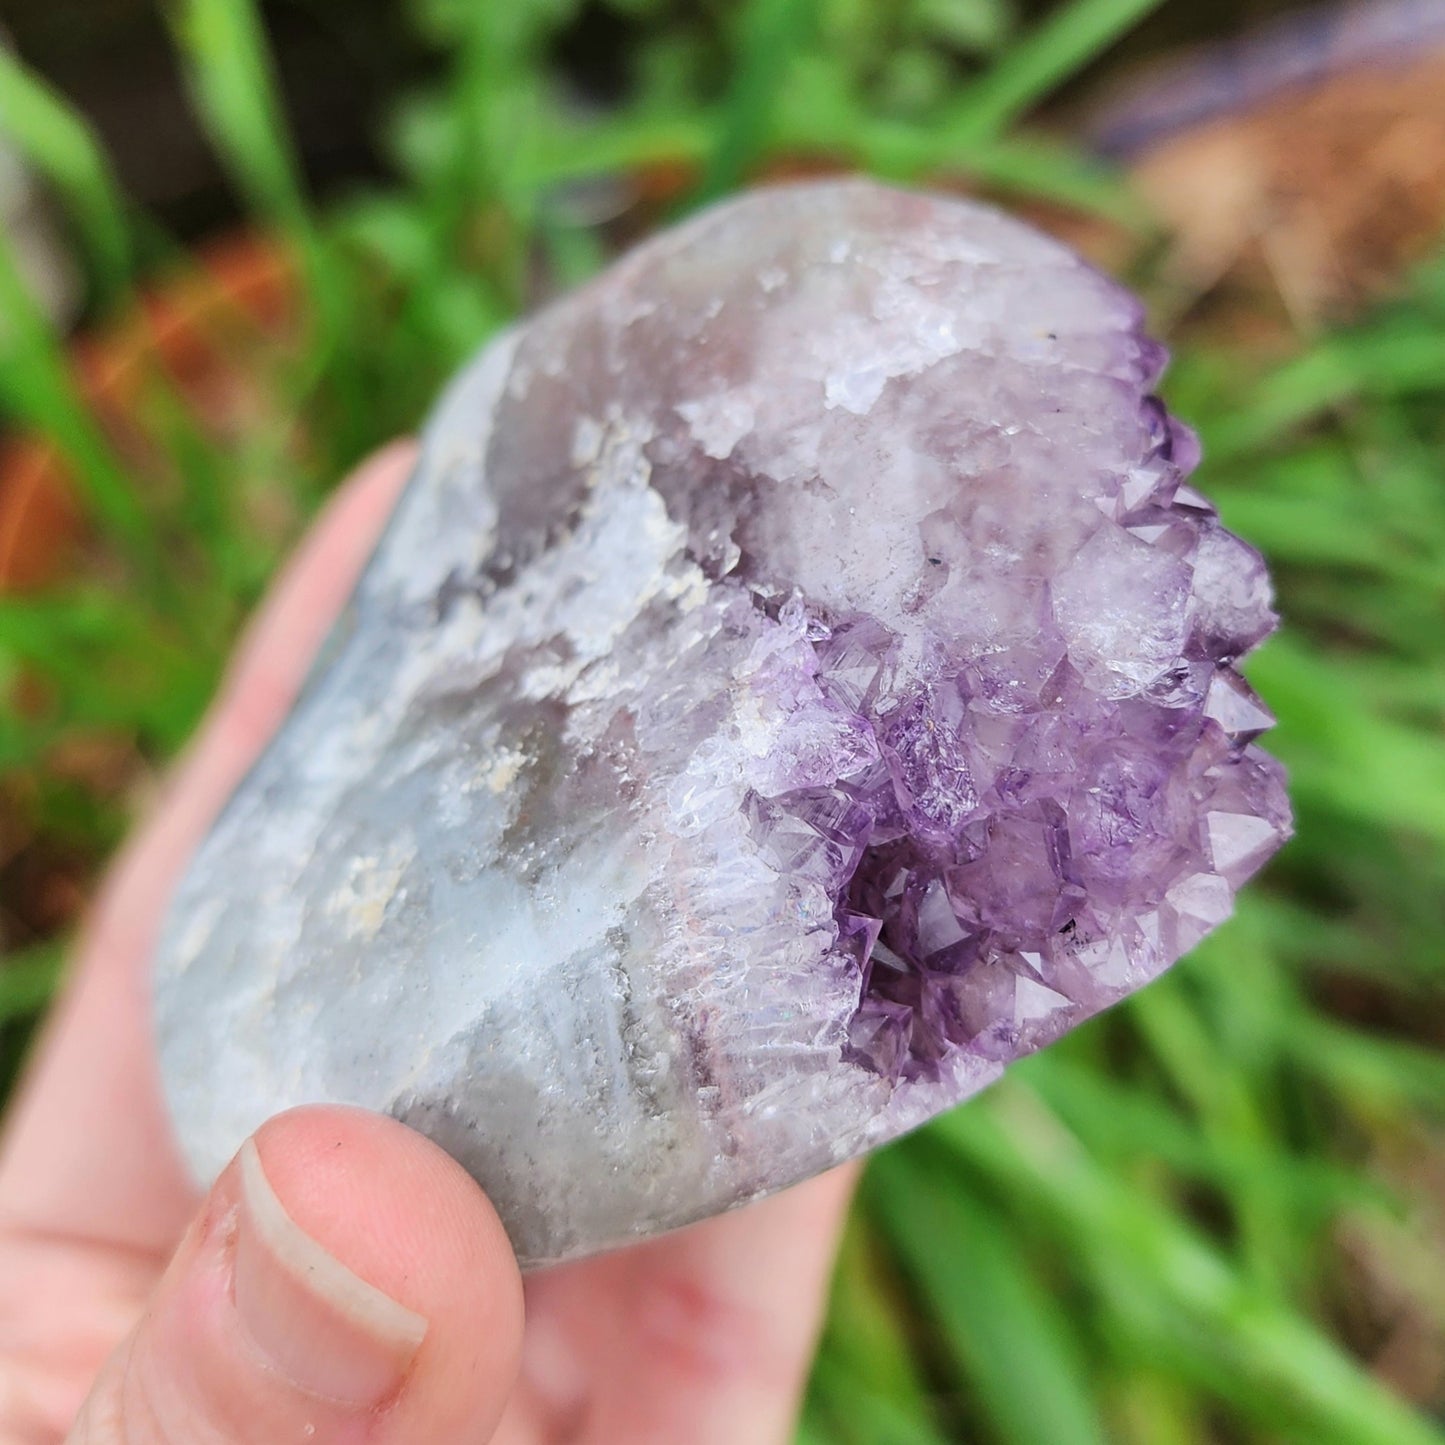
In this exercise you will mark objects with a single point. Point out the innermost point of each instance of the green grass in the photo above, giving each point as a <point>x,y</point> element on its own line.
<point>1193,1220</point>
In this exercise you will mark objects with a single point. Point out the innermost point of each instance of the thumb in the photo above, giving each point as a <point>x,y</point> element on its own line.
<point>344,1281</point>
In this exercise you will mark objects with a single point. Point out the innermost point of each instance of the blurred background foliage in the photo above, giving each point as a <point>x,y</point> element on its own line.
<point>263,236</point>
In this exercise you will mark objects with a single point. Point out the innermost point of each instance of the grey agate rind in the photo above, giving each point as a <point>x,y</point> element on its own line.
<point>794,683</point>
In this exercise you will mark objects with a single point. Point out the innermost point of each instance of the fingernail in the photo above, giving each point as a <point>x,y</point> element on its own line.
<point>314,1320</point>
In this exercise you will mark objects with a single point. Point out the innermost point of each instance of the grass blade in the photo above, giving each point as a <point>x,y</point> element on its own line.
<point>867,1388</point>
<point>1173,1288</point>
<point>1068,40</point>
<point>27,981</point>
<point>37,388</point>
<point>990,1308</point>
<point>59,144</point>
<point>773,32</point>
<point>1341,751</point>
<point>228,67</point>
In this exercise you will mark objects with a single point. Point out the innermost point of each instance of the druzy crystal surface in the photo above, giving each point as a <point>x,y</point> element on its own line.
<point>797,681</point>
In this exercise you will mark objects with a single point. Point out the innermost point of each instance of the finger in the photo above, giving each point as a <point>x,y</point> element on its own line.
<point>93,1077</point>
<point>344,1281</point>
<point>705,1335</point>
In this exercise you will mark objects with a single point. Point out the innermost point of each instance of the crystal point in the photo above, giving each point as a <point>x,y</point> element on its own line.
<point>796,682</point>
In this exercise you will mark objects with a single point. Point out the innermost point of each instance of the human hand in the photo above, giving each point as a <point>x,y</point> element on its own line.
<point>344,1280</point>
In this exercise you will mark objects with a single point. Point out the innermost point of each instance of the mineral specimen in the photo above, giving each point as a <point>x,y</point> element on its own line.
<point>796,682</point>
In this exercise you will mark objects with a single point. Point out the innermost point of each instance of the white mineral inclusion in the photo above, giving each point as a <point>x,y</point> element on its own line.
<point>794,683</point>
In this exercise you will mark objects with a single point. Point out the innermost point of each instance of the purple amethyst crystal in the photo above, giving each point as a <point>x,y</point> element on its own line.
<point>796,683</point>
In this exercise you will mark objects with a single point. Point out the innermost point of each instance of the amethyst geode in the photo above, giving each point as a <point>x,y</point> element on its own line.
<point>796,682</point>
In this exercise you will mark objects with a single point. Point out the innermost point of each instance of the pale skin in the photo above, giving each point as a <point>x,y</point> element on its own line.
<point>131,1312</point>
